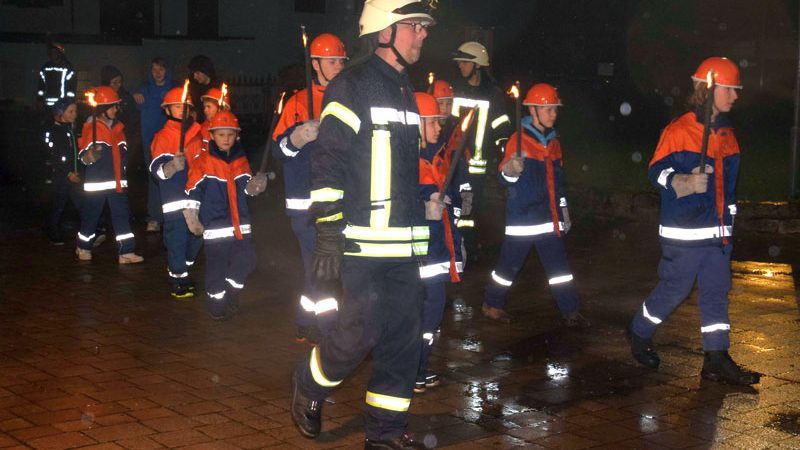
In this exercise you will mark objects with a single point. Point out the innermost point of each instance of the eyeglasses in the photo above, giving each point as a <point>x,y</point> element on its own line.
<point>416,26</point>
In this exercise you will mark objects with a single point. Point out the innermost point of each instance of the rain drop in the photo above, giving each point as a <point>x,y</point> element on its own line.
<point>622,236</point>
<point>87,418</point>
<point>126,320</point>
<point>774,251</point>
<point>459,305</point>
<point>743,63</point>
<point>612,118</point>
<point>215,378</point>
<point>585,168</point>
<point>625,108</point>
<point>430,441</point>
<point>668,100</point>
<point>675,91</point>
<point>636,157</point>
<point>723,26</point>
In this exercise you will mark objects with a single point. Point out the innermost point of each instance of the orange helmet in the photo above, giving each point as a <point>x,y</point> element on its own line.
<point>173,97</point>
<point>427,105</point>
<point>104,95</point>
<point>212,94</point>
<point>441,89</point>
<point>542,94</point>
<point>224,120</point>
<point>726,73</point>
<point>327,45</point>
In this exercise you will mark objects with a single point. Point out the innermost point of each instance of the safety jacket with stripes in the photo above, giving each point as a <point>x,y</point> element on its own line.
<point>535,198</point>
<point>696,219</point>
<point>365,168</point>
<point>165,144</point>
<point>56,81</point>
<point>444,261</point>
<point>216,184</point>
<point>296,162</point>
<point>493,124</point>
<point>108,172</point>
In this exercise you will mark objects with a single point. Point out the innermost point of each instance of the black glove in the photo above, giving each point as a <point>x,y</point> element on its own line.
<point>328,250</point>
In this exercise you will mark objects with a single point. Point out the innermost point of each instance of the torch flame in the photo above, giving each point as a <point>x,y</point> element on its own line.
<point>280,102</point>
<point>514,90</point>
<point>467,120</point>
<point>90,98</point>
<point>710,79</point>
<point>305,36</point>
<point>185,91</point>
<point>223,94</point>
<point>431,78</point>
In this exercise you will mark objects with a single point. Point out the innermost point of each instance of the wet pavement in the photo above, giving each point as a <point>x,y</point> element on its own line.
<point>98,355</point>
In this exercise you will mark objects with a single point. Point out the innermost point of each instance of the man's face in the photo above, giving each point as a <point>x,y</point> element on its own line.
<point>201,78</point>
<point>224,138</point>
<point>409,38</point>
<point>724,98</point>
<point>466,68</point>
<point>159,73</point>
<point>210,109</point>
<point>115,83</point>
<point>430,128</point>
<point>70,114</point>
<point>445,106</point>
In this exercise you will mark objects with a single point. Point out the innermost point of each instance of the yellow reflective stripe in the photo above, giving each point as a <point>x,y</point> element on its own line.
<point>420,248</point>
<point>500,120</point>
<point>326,195</point>
<point>421,233</point>
<point>316,370</point>
<point>379,234</point>
<point>383,250</point>
<point>380,179</point>
<point>343,113</point>
<point>483,116</point>
<point>388,402</point>
<point>332,218</point>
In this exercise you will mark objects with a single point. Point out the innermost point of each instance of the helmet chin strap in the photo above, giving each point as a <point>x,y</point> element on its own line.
<point>322,71</point>
<point>546,130</point>
<point>390,44</point>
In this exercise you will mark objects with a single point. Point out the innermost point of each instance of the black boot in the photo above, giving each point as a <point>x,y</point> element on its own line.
<point>306,413</point>
<point>642,350</point>
<point>718,366</point>
<point>400,442</point>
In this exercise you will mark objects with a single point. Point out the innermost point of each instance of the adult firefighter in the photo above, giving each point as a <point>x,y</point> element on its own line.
<point>370,219</point>
<point>317,306</point>
<point>698,202</point>
<point>477,87</point>
<point>57,78</point>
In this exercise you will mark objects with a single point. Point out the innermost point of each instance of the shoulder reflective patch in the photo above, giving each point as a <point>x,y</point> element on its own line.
<point>500,120</point>
<point>382,116</point>
<point>343,113</point>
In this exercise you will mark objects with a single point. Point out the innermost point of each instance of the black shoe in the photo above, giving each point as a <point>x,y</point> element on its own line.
<point>182,292</point>
<point>718,366</point>
<point>307,333</point>
<point>642,350</point>
<point>306,413</point>
<point>576,320</point>
<point>401,442</point>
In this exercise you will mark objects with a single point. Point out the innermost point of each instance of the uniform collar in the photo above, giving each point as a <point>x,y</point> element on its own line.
<point>723,120</point>
<point>544,138</point>
<point>235,152</point>
<point>390,72</point>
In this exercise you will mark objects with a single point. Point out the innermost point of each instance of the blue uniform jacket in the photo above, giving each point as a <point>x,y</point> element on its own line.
<point>296,172</point>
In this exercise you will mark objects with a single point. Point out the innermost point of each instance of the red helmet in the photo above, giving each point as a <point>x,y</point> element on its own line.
<point>212,94</point>
<point>441,89</point>
<point>327,45</point>
<point>104,95</point>
<point>224,120</point>
<point>542,94</point>
<point>173,97</point>
<point>427,105</point>
<point>726,73</point>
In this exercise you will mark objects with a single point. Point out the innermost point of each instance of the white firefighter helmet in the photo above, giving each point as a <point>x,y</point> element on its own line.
<point>473,52</point>
<point>379,14</point>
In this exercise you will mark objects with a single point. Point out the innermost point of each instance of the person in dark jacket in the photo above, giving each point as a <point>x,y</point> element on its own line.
<point>57,78</point>
<point>202,77</point>
<point>62,146</point>
<point>371,227</point>
<point>148,97</point>
<point>698,203</point>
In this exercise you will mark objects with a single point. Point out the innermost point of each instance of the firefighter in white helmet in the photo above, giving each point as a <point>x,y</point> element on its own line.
<point>476,87</point>
<point>371,226</point>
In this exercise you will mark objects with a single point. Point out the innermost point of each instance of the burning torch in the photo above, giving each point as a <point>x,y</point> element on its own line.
<point>275,116</point>
<point>707,112</point>
<point>431,79</point>
<point>309,83</point>
<point>223,94</point>
<point>183,117</point>
<point>514,92</point>
<point>462,142</point>
<point>90,98</point>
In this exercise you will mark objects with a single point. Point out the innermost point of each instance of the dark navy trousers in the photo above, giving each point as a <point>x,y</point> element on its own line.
<point>228,263</point>
<point>677,271</point>
<point>317,304</point>
<point>432,313</point>
<point>182,249</point>
<point>92,209</point>
<point>553,257</point>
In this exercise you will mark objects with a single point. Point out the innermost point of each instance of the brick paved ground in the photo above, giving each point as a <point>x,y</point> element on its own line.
<point>98,356</point>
